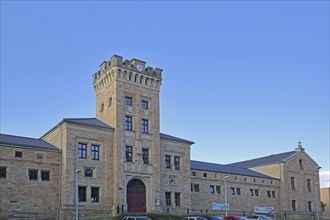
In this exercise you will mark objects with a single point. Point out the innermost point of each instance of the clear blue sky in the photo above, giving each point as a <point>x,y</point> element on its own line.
<point>243,79</point>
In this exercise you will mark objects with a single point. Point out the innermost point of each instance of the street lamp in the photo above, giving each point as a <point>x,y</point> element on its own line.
<point>76,190</point>
<point>316,202</point>
<point>226,177</point>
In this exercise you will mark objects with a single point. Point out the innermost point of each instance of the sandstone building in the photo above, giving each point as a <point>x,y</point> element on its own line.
<point>123,163</point>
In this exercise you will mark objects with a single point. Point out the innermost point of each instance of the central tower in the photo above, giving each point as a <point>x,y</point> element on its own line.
<point>127,97</point>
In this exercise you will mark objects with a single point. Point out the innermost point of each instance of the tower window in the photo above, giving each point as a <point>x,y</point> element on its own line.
<point>144,126</point>
<point>309,206</point>
<point>144,104</point>
<point>293,205</point>
<point>128,101</point>
<point>128,123</point>
<point>145,155</point>
<point>129,153</point>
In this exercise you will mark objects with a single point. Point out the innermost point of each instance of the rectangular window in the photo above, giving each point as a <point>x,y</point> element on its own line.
<point>308,184</point>
<point>211,189</point>
<point>88,172</point>
<point>95,194</point>
<point>256,192</point>
<point>128,101</point>
<point>128,123</point>
<point>205,175</point>
<point>193,173</point>
<point>273,194</point>
<point>238,191</point>
<point>167,198</point>
<point>292,183</point>
<point>196,187</point>
<point>144,126</point>
<point>218,189</point>
<point>168,161</point>
<point>95,152</point>
<point>232,190</point>
<point>309,206</point>
<point>18,154</point>
<point>45,175</point>
<point>251,192</point>
<point>177,199</point>
<point>268,194</point>
<point>3,172</point>
<point>33,174</point>
<point>82,193</point>
<point>293,205</point>
<point>82,150</point>
<point>129,153</point>
<point>145,155</point>
<point>177,163</point>
<point>144,104</point>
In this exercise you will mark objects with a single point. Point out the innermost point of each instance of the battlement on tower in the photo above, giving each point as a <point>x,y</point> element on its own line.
<point>134,71</point>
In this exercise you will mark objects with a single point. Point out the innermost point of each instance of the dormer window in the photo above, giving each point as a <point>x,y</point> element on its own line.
<point>128,101</point>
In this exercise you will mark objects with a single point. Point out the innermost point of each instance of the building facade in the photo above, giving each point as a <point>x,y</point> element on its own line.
<point>121,162</point>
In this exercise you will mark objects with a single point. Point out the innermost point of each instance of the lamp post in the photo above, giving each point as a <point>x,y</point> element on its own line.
<point>76,192</point>
<point>226,177</point>
<point>316,202</point>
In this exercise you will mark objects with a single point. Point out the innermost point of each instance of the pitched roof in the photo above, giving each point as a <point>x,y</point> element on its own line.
<point>166,136</point>
<point>198,165</point>
<point>271,159</point>
<point>88,121</point>
<point>26,142</point>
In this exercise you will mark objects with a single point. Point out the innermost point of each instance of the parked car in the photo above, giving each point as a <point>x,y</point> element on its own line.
<point>257,216</point>
<point>213,217</point>
<point>195,218</point>
<point>136,218</point>
<point>234,217</point>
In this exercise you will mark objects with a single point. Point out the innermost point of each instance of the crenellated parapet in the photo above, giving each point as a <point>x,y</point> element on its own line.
<point>133,71</point>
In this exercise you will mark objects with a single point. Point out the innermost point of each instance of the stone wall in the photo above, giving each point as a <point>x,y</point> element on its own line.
<point>21,196</point>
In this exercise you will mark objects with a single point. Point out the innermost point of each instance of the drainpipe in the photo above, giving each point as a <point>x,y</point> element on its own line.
<point>59,178</point>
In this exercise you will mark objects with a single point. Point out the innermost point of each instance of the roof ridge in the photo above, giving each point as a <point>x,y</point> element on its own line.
<point>21,136</point>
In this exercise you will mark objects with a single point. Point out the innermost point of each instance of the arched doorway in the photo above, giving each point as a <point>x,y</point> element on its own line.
<point>136,196</point>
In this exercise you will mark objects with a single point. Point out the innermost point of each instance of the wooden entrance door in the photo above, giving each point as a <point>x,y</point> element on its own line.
<point>136,196</point>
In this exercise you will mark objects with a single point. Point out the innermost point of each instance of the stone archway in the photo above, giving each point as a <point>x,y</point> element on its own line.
<point>136,196</point>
